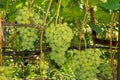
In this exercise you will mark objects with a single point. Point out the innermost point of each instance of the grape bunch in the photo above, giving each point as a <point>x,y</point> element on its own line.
<point>85,64</point>
<point>59,58</point>
<point>59,37</point>
<point>23,17</point>
<point>26,36</point>
<point>106,69</point>
<point>25,39</point>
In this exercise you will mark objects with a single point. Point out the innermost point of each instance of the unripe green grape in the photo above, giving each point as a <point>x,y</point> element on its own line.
<point>36,19</point>
<point>26,38</point>
<point>24,16</point>
<point>106,69</point>
<point>54,36</point>
<point>85,65</point>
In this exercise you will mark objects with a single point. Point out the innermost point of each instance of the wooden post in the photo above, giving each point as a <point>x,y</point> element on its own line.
<point>118,64</point>
<point>0,41</point>
<point>94,37</point>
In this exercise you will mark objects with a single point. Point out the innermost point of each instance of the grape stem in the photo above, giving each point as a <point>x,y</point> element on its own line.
<point>101,76</point>
<point>115,49</point>
<point>41,34</point>
<point>31,21</point>
<point>31,5</point>
<point>0,41</point>
<point>83,23</point>
<point>12,38</point>
<point>51,19</point>
<point>58,11</point>
<point>45,18</point>
<point>111,54</point>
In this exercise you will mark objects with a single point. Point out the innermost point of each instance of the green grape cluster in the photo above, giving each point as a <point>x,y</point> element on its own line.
<point>59,58</point>
<point>36,19</point>
<point>24,15</point>
<point>85,64</point>
<point>106,69</point>
<point>6,72</point>
<point>59,37</point>
<point>25,39</point>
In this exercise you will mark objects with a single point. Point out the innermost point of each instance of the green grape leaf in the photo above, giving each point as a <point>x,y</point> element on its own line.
<point>4,3</point>
<point>96,28</point>
<point>75,40</point>
<point>111,4</point>
<point>65,2</point>
<point>102,15</point>
<point>70,14</point>
<point>40,2</point>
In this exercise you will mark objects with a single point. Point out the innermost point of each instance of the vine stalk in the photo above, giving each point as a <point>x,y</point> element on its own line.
<point>102,76</point>
<point>41,34</point>
<point>83,23</point>
<point>111,54</point>
<point>45,18</point>
<point>31,5</point>
<point>41,51</point>
<point>58,11</point>
<point>0,41</point>
<point>12,38</point>
<point>31,1</point>
<point>118,63</point>
<point>9,24</point>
